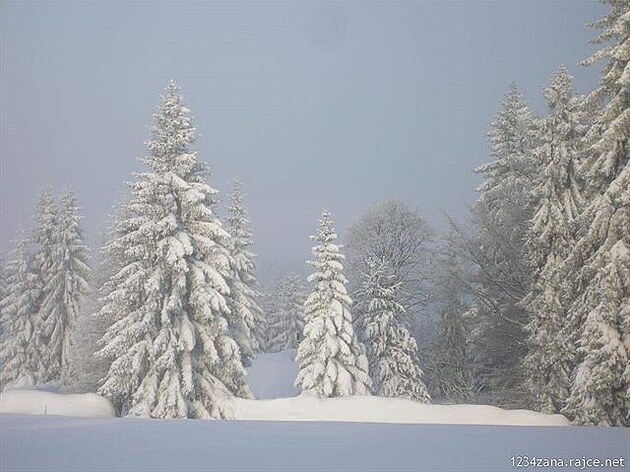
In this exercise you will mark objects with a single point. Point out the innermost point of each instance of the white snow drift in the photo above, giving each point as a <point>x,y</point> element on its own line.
<point>363,409</point>
<point>39,402</point>
<point>366,409</point>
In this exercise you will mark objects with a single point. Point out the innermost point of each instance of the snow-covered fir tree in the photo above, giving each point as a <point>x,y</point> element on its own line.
<point>501,216</point>
<point>332,362</point>
<point>66,273</point>
<point>173,355</point>
<point>391,350</point>
<point>44,239</point>
<point>600,389</point>
<point>549,240</point>
<point>286,317</point>
<point>245,312</point>
<point>22,351</point>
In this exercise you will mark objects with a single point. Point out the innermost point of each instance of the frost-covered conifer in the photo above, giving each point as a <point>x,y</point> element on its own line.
<point>44,239</point>
<point>286,318</point>
<point>501,215</point>
<point>173,356</point>
<point>549,241</point>
<point>600,390</point>
<point>508,178</point>
<point>22,352</point>
<point>245,313</point>
<point>332,361</point>
<point>66,273</point>
<point>391,350</point>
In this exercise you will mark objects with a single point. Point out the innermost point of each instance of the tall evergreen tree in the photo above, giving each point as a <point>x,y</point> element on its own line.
<point>501,215</point>
<point>245,312</point>
<point>332,361</point>
<point>22,351</point>
<point>391,350</point>
<point>66,272</point>
<point>45,242</point>
<point>45,234</point>
<point>286,318</point>
<point>173,354</point>
<point>549,240</point>
<point>600,390</point>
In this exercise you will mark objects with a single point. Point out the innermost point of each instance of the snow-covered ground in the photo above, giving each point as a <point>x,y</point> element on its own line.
<point>40,402</point>
<point>271,378</point>
<point>387,410</point>
<point>38,443</point>
<point>301,408</point>
<point>290,433</point>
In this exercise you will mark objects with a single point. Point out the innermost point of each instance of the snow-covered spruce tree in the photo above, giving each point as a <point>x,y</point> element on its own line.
<point>245,313</point>
<point>67,272</point>
<point>549,240</point>
<point>22,352</point>
<point>391,350</point>
<point>44,239</point>
<point>286,318</point>
<point>501,216</point>
<point>332,361</point>
<point>173,356</point>
<point>600,389</point>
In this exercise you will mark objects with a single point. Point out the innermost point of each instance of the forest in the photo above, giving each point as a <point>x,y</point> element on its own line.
<point>524,303</point>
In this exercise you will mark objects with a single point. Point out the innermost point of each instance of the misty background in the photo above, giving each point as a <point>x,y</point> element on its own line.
<point>311,105</point>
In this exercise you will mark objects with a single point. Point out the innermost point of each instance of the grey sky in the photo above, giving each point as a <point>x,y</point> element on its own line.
<point>311,104</point>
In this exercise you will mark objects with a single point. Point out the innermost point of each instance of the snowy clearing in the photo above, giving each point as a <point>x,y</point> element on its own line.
<point>30,443</point>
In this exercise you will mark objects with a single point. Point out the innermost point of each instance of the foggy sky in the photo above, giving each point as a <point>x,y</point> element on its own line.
<point>311,105</point>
